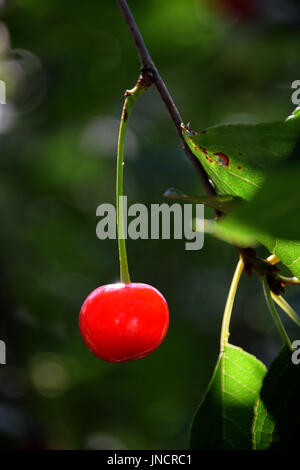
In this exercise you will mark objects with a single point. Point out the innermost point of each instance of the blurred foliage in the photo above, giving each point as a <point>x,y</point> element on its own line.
<point>66,68</point>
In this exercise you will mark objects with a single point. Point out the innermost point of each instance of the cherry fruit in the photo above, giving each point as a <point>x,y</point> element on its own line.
<point>123,322</point>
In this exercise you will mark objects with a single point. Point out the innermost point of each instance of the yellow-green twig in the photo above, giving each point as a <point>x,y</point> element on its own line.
<point>229,304</point>
<point>285,306</point>
<point>275,315</point>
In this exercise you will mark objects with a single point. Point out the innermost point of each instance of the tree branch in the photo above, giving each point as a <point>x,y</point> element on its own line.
<point>149,68</point>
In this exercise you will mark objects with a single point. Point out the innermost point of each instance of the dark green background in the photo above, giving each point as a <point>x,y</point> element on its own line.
<point>67,65</point>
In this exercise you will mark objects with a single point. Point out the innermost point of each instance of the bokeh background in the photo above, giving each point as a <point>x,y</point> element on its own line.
<point>66,66</point>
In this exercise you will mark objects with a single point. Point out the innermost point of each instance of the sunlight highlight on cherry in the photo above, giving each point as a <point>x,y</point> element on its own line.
<point>124,322</point>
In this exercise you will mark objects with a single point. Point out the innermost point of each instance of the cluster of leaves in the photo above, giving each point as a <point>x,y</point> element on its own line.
<point>248,407</point>
<point>258,165</point>
<point>255,170</point>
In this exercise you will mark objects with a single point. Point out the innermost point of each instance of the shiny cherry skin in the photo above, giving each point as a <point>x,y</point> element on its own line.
<point>124,322</point>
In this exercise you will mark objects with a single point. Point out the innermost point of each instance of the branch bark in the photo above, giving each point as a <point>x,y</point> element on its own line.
<point>149,68</point>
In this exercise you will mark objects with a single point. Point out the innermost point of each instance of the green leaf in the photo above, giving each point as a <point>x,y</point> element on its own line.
<point>253,162</point>
<point>237,157</point>
<point>270,217</point>
<point>273,209</point>
<point>217,230</point>
<point>225,416</point>
<point>287,251</point>
<point>277,420</point>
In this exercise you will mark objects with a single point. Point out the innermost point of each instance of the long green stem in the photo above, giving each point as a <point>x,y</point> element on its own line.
<point>285,306</point>
<point>229,305</point>
<point>275,315</point>
<point>130,98</point>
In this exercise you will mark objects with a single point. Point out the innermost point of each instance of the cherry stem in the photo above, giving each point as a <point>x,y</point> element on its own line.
<point>286,308</point>
<point>229,304</point>
<point>130,98</point>
<point>275,314</point>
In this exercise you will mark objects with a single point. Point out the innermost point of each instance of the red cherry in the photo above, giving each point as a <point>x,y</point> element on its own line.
<point>124,322</point>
